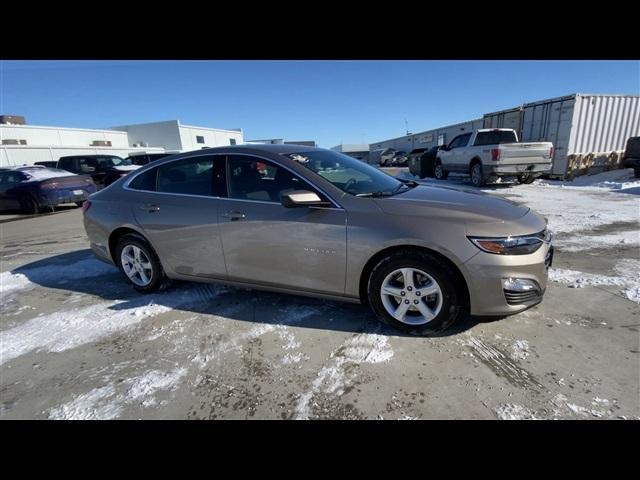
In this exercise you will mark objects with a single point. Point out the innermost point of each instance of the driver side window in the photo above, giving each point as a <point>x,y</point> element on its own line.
<point>253,178</point>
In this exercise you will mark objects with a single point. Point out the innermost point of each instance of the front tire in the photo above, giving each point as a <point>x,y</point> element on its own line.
<point>414,292</point>
<point>139,264</point>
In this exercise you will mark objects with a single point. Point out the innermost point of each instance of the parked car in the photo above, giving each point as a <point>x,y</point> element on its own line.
<point>104,169</point>
<point>386,156</point>
<point>631,156</point>
<point>141,159</point>
<point>47,164</point>
<point>316,222</point>
<point>399,159</point>
<point>494,152</point>
<point>32,189</point>
<point>422,164</point>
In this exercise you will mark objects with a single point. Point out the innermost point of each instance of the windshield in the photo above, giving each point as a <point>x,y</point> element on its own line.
<point>348,174</point>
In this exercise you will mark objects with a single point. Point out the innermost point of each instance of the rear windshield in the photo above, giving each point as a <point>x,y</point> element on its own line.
<point>496,137</point>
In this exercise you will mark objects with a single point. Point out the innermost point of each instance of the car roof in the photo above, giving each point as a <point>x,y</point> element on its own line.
<point>280,148</point>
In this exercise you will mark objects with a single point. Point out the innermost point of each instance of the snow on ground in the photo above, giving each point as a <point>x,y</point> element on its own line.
<point>104,404</point>
<point>628,278</point>
<point>333,378</point>
<point>511,411</point>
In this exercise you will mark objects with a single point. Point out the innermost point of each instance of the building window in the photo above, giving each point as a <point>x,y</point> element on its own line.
<point>199,139</point>
<point>232,141</point>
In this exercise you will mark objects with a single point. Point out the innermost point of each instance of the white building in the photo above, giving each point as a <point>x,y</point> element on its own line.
<point>27,144</point>
<point>355,150</point>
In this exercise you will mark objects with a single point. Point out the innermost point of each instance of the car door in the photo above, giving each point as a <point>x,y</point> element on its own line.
<point>269,244</point>
<point>176,205</point>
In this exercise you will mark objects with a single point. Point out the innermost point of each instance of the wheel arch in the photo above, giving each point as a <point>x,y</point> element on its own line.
<point>473,161</point>
<point>460,279</point>
<point>121,231</point>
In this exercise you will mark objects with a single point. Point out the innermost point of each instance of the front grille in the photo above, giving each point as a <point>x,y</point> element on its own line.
<point>519,298</point>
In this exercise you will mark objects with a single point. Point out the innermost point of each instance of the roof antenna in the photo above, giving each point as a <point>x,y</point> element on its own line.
<point>406,124</point>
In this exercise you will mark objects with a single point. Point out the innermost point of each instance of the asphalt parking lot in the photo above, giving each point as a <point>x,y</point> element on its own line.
<point>78,343</point>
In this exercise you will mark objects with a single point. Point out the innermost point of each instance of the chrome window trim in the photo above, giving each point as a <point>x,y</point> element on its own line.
<point>125,186</point>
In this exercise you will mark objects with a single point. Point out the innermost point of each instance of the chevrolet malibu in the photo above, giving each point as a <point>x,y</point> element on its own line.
<point>310,221</point>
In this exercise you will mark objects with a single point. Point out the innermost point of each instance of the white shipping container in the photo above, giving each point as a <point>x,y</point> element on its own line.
<point>581,124</point>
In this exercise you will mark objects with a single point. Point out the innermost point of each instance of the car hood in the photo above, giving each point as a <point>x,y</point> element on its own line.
<point>482,213</point>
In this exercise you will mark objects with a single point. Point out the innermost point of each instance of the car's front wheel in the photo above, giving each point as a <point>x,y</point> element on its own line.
<point>414,292</point>
<point>139,264</point>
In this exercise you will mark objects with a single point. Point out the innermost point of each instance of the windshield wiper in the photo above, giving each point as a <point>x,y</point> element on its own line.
<point>383,193</point>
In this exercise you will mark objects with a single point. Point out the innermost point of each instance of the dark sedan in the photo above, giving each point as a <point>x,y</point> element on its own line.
<point>32,189</point>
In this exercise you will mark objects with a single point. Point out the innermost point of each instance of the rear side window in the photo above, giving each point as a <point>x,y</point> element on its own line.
<point>145,181</point>
<point>495,138</point>
<point>460,141</point>
<point>192,176</point>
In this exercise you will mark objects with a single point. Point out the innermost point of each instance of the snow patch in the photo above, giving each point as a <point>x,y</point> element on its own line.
<point>511,411</point>
<point>520,350</point>
<point>333,378</point>
<point>88,406</point>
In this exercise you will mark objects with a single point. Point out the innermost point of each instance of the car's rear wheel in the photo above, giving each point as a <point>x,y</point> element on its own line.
<point>79,204</point>
<point>439,172</point>
<point>477,176</point>
<point>139,264</point>
<point>28,204</point>
<point>414,292</point>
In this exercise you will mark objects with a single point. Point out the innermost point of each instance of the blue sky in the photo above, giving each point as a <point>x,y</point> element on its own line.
<point>331,102</point>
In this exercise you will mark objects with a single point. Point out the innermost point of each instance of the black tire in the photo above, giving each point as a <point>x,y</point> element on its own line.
<point>29,205</point>
<point>79,204</point>
<point>439,173</point>
<point>452,297</point>
<point>159,279</point>
<point>479,179</point>
<point>526,178</point>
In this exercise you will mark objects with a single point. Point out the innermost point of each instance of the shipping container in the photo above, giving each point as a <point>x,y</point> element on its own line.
<point>511,118</point>
<point>580,125</point>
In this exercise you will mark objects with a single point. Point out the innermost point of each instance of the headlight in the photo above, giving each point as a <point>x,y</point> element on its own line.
<point>522,245</point>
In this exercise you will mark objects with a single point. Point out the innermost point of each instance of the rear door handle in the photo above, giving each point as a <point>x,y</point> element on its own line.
<point>150,208</point>
<point>234,215</point>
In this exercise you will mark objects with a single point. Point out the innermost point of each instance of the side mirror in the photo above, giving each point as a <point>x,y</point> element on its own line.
<point>302,198</point>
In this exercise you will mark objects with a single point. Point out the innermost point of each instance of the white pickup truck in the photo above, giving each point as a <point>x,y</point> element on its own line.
<point>493,152</point>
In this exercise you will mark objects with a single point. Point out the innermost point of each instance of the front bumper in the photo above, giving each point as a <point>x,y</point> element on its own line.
<point>485,273</point>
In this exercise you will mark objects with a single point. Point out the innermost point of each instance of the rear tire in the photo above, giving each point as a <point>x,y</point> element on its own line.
<point>79,204</point>
<point>157,277</point>
<point>29,205</point>
<point>448,306</point>
<point>477,176</point>
<point>439,172</point>
<point>526,178</point>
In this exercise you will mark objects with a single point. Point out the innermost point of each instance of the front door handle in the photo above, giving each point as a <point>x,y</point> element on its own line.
<point>150,208</point>
<point>234,215</point>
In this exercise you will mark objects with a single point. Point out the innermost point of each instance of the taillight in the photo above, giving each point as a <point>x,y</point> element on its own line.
<point>551,152</point>
<point>48,186</point>
<point>495,154</point>
<point>85,206</point>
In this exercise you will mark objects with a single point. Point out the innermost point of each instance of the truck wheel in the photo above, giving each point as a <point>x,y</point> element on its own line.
<point>477,177</point>
<point>414,292</point>
<point>526,178</point>
<point>438,172</point>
